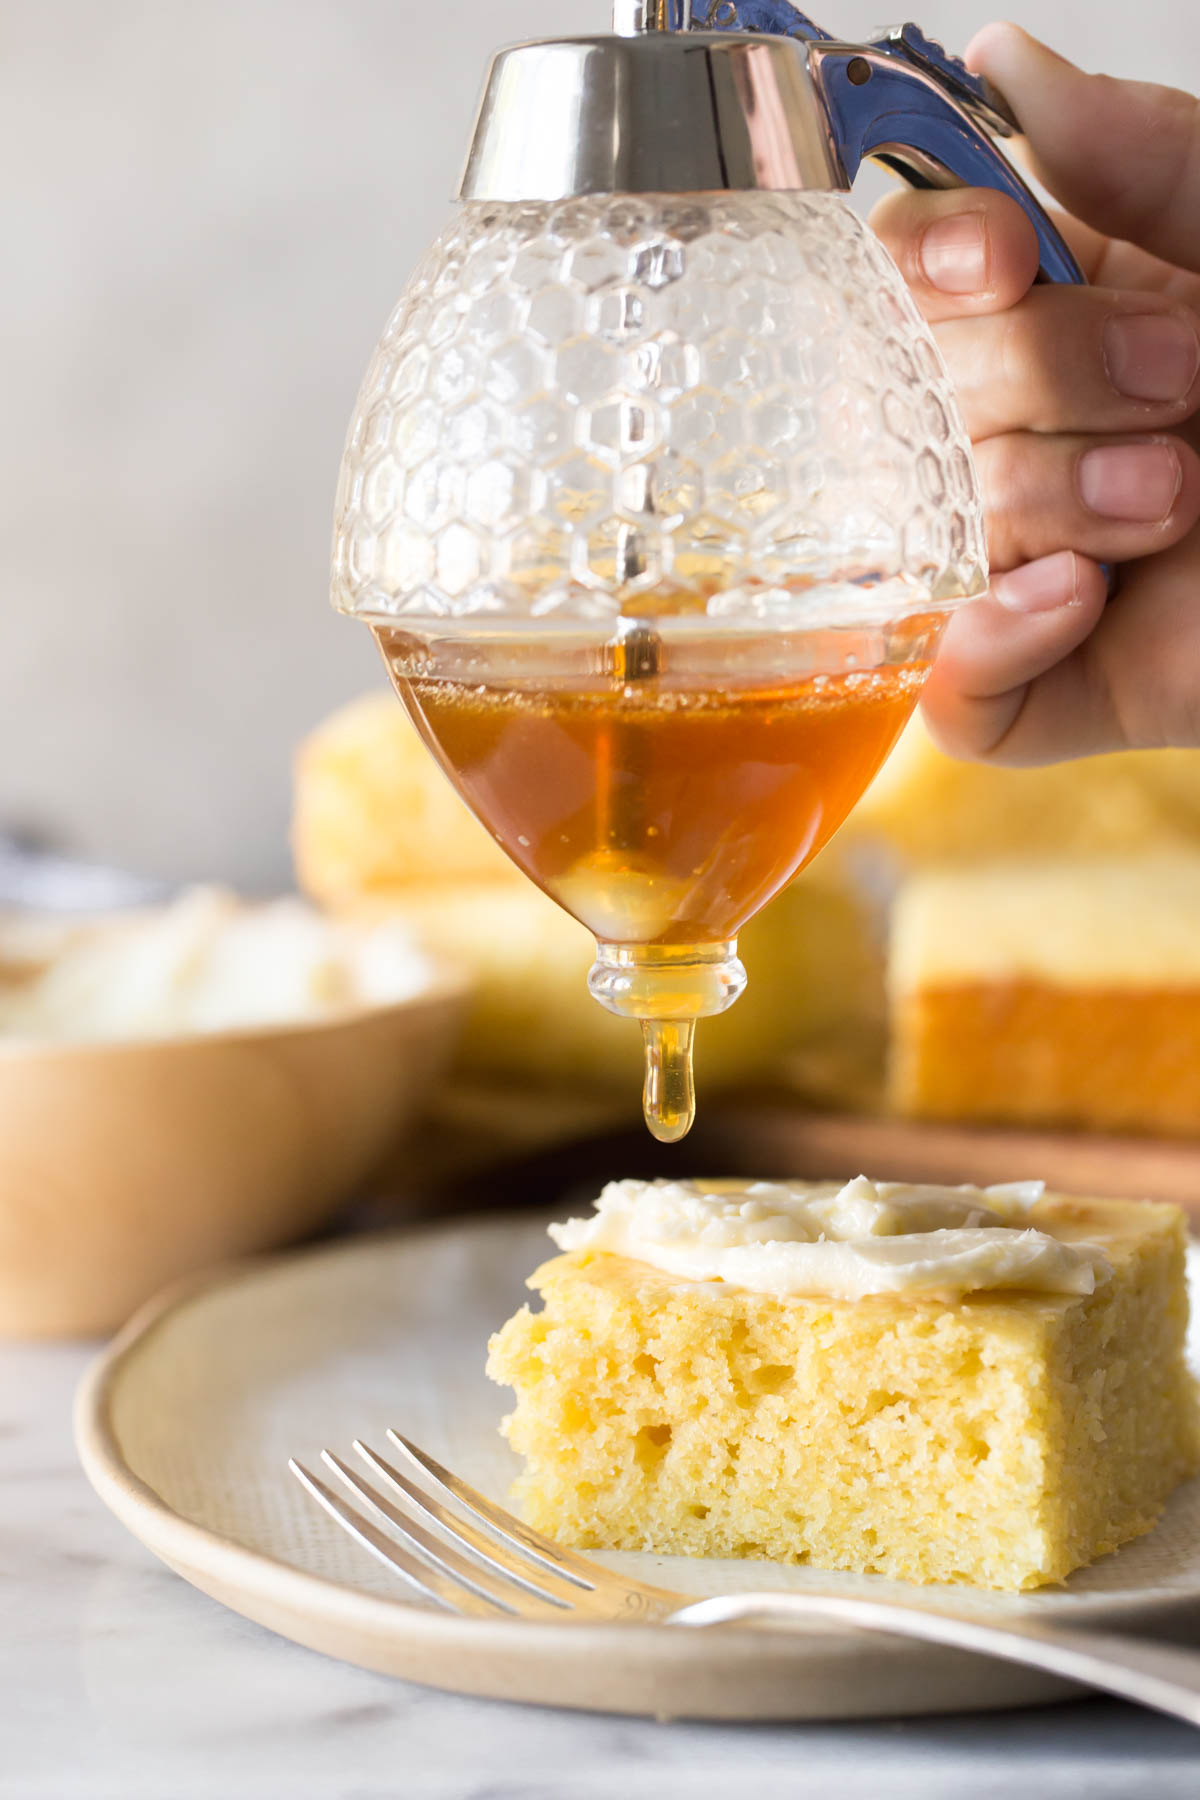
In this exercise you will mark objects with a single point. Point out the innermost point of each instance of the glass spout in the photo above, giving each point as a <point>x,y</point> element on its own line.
<point>667,987</point>
<point>667,981</point>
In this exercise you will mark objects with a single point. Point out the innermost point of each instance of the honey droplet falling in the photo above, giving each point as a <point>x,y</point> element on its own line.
<point>669,1092</point>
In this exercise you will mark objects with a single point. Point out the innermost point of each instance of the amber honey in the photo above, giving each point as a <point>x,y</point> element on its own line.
<point>661,790</point>
<point>665,813</point>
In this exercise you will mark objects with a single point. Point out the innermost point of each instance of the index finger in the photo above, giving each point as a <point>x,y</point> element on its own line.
<point>1124,155</point>
<point>962,251</point>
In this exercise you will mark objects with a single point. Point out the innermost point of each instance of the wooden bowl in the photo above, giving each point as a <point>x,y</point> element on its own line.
<point>125,1165</point>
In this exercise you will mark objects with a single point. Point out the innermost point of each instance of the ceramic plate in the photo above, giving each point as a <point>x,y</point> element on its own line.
<point>186,1424</point>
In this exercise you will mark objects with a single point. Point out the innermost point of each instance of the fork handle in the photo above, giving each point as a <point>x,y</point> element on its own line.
<point>1156,1675</point>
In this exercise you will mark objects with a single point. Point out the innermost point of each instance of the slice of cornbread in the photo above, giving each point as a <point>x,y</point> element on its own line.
<point>928,808</point>
<point>1050,992</point>
<point>373,813</point>
<point>1002,1439</point>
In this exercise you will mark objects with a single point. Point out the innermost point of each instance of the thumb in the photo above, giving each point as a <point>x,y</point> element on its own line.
<point>1123,156</point>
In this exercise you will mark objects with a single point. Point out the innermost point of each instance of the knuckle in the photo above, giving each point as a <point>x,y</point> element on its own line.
<point>1178,122</point>
<point>1017,347</point>
<point>1003,464</point>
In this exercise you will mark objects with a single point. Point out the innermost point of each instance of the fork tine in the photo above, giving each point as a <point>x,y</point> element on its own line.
<point>535,1577</point>
<point>429,1583</point>
<point>459,1568</point>
<point>543,1549</point>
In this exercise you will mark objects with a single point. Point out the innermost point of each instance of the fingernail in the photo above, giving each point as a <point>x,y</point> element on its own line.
<point>955,254</point>
<point>1138,482</point>
<point>1151,356</point>
<point>1039,586</point>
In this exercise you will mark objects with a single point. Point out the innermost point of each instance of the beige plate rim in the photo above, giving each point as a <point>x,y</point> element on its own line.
<point>734,1673</point>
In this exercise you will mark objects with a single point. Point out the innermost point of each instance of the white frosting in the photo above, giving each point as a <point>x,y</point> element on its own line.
<point>839,1243</point>
<point>207,962</point>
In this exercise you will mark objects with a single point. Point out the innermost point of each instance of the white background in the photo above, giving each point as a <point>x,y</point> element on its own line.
<point>206,212</point>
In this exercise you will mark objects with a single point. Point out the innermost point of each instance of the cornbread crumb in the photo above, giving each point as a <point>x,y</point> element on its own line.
<point>1003,1439</point>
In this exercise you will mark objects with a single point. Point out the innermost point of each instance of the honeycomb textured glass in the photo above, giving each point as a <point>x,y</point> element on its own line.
<point>729,403</point>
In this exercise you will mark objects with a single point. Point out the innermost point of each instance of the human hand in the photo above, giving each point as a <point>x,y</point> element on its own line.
<point>1082,404</point>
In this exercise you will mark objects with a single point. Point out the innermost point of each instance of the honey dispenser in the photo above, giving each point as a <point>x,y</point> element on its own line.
<point>656,493</point>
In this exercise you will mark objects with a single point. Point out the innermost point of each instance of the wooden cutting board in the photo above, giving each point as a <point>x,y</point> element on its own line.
<point>775,1136</point>
<point>785,1139</point>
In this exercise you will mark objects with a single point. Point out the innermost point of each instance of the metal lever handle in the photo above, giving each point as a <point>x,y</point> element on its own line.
<point>905,102</point>
<point>776,17</point>
<point>901,116</point>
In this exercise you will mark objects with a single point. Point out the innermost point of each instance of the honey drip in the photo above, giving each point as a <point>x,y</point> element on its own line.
<point>663,788</point>
<point>669,1090</point>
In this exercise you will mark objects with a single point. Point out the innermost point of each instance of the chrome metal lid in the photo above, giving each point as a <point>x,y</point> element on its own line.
<point>655,111</point>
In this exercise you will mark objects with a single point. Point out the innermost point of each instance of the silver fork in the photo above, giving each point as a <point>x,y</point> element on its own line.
<point>474,1558</point>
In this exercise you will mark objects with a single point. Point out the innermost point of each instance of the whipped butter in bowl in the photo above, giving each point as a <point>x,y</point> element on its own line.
<point>184,1084</point>
<point>837,1241</point>
<point>207,962</point>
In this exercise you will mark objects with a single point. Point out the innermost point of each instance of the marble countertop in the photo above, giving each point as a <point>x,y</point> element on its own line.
<point>120,1682</point>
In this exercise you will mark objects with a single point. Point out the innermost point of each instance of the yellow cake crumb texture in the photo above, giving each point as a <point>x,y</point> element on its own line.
<point>1002,1440</point>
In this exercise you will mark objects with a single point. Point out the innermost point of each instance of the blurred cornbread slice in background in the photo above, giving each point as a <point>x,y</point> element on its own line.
<point>815,976</point>
<point>373,811</point>
<point>1063,991</point>
<point>928,808</point>
<point>379,830</point>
